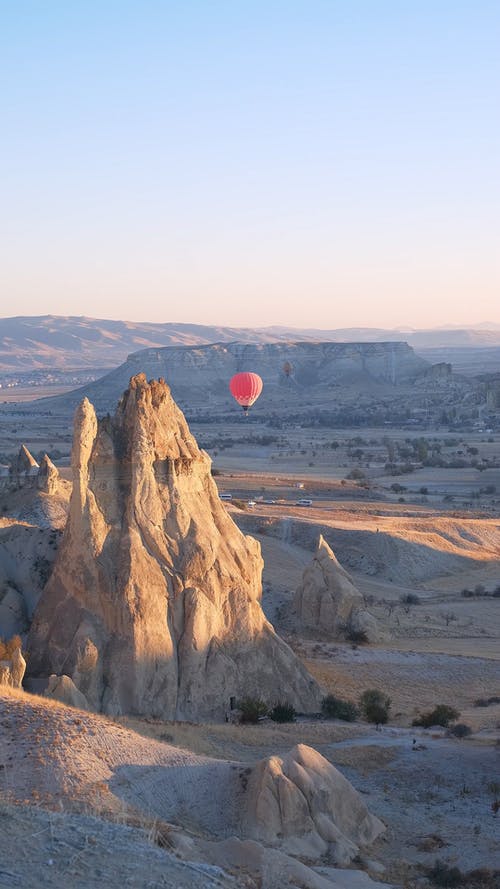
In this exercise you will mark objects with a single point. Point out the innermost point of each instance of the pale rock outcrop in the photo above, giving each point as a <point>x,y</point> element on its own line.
<point>304,804</point>
<point>63,689</point>
<point>24,467</point>
<point>5,677</point>
<point>153,606</point>
<point>328,601</point>
<point>18,668</point>
<point>48,476</point>
<point>12,670</point>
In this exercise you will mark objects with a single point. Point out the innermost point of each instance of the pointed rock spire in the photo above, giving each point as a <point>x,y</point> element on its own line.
<point>48,476</point>
<point>153,605</point>
<point>327,599</point>
<point>25,464</point>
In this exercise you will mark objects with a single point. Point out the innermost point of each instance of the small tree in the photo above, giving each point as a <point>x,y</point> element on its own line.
<point>460,730</point>
<point>375,706</point>
<point>336,708</point>
<point>441,715</point>
<point>252,709</point>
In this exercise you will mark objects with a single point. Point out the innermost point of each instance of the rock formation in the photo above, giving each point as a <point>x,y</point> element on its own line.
<point>317,367</point>
<point>12,670</point>
<point>63,689</point>
<point>48,476</point>
<point>304,804</point>
<point>4,674</point>
<point>153,606</point>
<point>18,668</point>
<point>24,466</point>
<point>327,600</point>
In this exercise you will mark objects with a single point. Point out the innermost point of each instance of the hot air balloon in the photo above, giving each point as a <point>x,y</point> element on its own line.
<point>246,388</point>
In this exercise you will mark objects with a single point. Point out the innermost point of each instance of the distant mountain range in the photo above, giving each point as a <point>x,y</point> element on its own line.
<point>57,342</point>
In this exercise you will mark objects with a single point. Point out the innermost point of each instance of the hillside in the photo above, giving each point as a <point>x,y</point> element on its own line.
<point>77,343</point>
<point>199,375</point>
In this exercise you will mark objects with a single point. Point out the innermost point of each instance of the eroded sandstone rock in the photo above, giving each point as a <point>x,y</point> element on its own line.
<point>12,669</point>
<point>63,689</point>
<point>17,669</point>
<point>328,601</point>
<point>304,804</point>
<point>48,476</point>
<point>153,605</point>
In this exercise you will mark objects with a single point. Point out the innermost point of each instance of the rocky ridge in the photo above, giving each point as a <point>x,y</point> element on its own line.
<point>153,605</point>
<point>302,373</point>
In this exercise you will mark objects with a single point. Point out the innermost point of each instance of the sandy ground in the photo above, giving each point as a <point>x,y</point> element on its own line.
<point>445,649</point>
<point>453,801</point>
<point>435,793</point>
<point>57,758</point>
<point>40,848</point>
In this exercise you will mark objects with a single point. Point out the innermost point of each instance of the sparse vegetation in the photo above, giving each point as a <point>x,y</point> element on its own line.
<point>252,709</point>
<point>8,647</point>
<point>441,715</point>
<point>335,708</point>
<point>358,637</point>
<point>443,875</point>
<point>410,599</point>
<point>283,711</point>
<point>459,730</point>
<point>375,706</point>
<point>487,702</point>
<point>43,568</point>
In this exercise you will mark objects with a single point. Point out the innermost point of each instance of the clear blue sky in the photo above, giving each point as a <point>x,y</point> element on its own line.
<point>310,163</point>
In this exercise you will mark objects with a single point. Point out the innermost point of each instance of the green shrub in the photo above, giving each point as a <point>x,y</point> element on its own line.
<point>409,599</point>
<point>443,875</point>
<point>441,715</point>
<point>336,708</point>
<point>282,712</point>
<point>252,709</point>
<point>240,504</point>
<point>460,730</point>
<point>375,706</point>
<point>359,637</point>
<point>356,474</point>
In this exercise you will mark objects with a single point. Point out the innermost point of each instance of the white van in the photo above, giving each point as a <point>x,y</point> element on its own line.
<point>303,502</point>
<point>225,496</point>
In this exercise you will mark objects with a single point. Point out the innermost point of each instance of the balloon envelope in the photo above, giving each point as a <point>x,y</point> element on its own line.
<point>245,388</point>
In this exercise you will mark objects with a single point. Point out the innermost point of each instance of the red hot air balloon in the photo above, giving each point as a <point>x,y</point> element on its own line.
<point>246,388</point>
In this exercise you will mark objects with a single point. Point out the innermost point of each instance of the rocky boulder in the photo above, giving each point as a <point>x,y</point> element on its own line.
<point>328,601</point>
<point>63,689</point>
<point>304,804</point>
<point>153,606</point>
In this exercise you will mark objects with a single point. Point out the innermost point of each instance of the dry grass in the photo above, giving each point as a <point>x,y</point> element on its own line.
<point>241,742</point>
<point>412,690</point>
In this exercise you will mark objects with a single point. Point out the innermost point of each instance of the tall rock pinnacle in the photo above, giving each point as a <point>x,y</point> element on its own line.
<point>153,606</point>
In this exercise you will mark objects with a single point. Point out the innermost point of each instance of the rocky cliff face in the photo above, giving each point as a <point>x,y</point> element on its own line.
<point>293,373</point>
<point>153,606</point>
